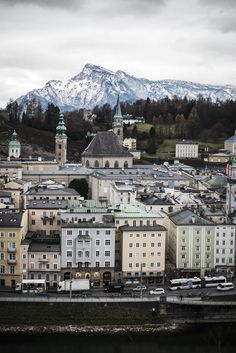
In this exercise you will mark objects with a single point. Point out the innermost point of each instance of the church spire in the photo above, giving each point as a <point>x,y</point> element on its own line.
<point>118,113</point>
<point>118,122</point>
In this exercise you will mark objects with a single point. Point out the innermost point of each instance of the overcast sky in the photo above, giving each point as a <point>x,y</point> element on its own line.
<point>40,40</point>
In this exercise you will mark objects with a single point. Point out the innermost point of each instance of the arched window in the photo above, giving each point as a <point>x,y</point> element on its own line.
<point>118,132</point>
<point>96,164</point>
<point>107,164</point>
<point>87,164</point>
<point>116,164</point>
<point>126,165</point>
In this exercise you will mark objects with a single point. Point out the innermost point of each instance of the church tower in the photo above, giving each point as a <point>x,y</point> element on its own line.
<point>231,187</point>
<point>14,147</point>
<point>118,122</point>
<point>61,142</point>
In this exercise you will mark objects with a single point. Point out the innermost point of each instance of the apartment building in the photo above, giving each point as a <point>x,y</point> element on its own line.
<point>87,251</point>
<point>225,248</point>
<point>13,227</point>
<point>143,253</point>
<point>41,258</point>
<point>44,215</point>
<point>191,243</point>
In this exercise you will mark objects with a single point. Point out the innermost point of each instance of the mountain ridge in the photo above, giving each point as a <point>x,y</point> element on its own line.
<point>96,85</point>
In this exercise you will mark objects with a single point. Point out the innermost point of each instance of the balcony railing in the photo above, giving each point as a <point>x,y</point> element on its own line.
<point>9,249</point>
<point>43,260</point>
<point>48,218</point>
<point>11,261</point>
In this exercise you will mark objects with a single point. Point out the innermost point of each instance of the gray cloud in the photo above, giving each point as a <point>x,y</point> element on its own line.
<point>191,40</point>
<point>43,3</point>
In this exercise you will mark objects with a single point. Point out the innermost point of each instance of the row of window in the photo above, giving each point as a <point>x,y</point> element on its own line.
<point>197,256</point>
<point>138,265</point>
<point>223,242</point>
<point>87,253</point>
<point>40,276</point>
<point>10,245</point>
<point>44,256</point>
<point>140,222</point>
<point>11,269</point>
<point>231,251</point>
<point>144,235</point>
<point>223,234</point>
<point>98,242</point>
<point>96,164</point>
<point>86,232</point>
<point>87,264</point>
<point>223,260</point>
<point>144,254</point>
<point>10,235</point>
<point>51,222</point>
<point>144,245</point>
<point>196,264</point>
<point>40,266</point>
<point>10,256</point>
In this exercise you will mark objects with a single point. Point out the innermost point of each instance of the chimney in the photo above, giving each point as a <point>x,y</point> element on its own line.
<point>193,219</point>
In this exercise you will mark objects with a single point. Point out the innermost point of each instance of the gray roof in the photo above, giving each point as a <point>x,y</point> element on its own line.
<point>48,204</point>
<point>5,193</point>
<point>188,217</point>
<point>44,246</point>
<point>232,138</point>
<point>45,191</point>
<point>154,228</point>
<point>106,143</point>
<point>85,225</point>
<point>186,142</point>
<point>154,200</point>
<point>10,220</point>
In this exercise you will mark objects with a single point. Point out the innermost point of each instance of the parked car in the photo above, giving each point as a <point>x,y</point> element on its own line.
<point>139,288</point>
<point>225,286</point>
<point>157,291</point>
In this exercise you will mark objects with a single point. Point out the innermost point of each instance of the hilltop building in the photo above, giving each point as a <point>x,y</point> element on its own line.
<point>230,144</point>
<point>186,149</point>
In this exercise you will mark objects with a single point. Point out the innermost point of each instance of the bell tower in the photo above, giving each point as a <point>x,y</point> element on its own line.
<point>118,122</point>
<point>14,147</point>
<point>61,142</point>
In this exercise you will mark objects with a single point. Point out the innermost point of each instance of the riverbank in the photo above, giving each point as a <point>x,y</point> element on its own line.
<point>82,329</point>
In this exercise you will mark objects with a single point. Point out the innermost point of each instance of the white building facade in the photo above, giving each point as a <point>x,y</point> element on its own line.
<point>186,149</point>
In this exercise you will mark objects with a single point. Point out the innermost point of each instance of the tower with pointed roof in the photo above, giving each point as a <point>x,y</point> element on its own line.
<point>14,147</point>
<point>61,142</point>
<point>118,122</point>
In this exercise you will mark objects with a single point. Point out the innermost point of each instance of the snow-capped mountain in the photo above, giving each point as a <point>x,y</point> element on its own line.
<point>95,85</point>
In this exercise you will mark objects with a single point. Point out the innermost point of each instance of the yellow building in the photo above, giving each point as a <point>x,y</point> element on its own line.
<point>13,227</point>
<point>143,253</point>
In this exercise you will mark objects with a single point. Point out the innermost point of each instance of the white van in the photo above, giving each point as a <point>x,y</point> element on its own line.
<point>225,286</point>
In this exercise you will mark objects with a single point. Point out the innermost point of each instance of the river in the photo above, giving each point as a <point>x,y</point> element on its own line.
<point>200,339</point>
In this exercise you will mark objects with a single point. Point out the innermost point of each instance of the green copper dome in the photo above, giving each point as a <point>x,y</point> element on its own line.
<point>14,143</point>
<point>61,128</point>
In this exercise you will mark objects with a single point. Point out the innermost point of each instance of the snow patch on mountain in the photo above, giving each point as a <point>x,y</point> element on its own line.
<point>95,85</point>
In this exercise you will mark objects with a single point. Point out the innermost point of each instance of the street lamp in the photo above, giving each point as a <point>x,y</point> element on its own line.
<point>71,280</point>
<point>141,280</point>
